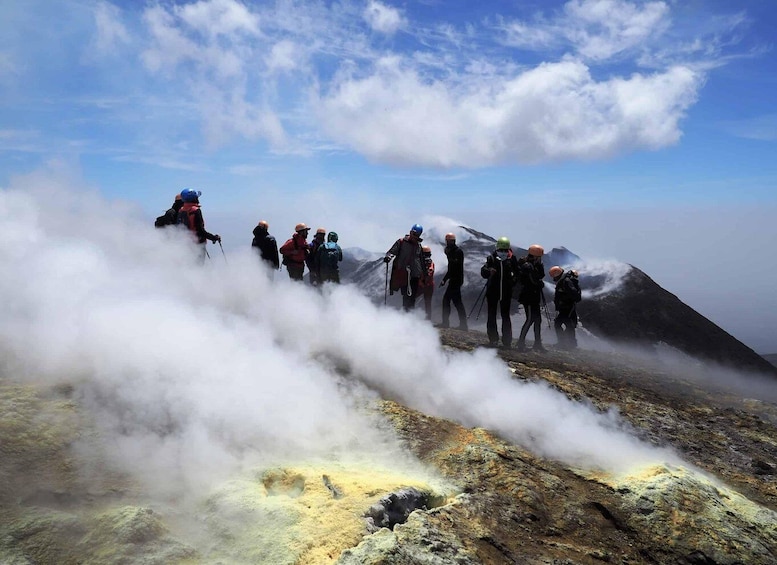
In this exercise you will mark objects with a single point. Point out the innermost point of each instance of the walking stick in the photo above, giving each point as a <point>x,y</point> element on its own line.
<point>222,252</point>
<point>476,301</point>
<point>385,290</point>
<point>545,306</point>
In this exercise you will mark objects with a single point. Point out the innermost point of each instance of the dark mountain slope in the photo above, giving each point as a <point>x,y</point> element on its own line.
<point>640,311</point>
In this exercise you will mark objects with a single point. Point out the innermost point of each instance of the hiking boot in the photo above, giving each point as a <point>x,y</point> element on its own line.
<point>520,346</point>
<point>493,344</point>
<point>505,346</point>
<point>463,327</point>
<point>441,325</point>
<point>538,348</point>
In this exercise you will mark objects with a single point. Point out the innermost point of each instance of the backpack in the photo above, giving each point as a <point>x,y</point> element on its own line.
<point>330,256</point>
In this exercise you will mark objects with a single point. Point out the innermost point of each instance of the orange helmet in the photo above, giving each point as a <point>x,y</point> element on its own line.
<point>555,271</point>
<point>321,231</point>
<point>264,225</point>
<point>450,237</point>
<point>426,249</point>
<point>301,227</point>
<point>536,250</point>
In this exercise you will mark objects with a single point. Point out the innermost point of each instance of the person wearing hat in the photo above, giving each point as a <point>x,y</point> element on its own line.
<point>190,216</point>
<point>407,266</point>
<point>314,269</point>
<point>455,279</point>
<point>328,257</point>
<point>565,300</point>
<point>295,252</point>
<point>531,272</point>
<point>426,282</point>
<point>266,245</point>
<point>500,271</point>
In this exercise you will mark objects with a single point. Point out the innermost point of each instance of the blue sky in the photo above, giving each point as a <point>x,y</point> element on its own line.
<point>640,131</point>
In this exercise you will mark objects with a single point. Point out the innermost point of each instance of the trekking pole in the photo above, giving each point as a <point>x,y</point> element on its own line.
<point>545,306</point>
<point>206,251</point>
<point>482,301</point>
<point>222,252</point>
<point>476,300</point>
<point>385,290</point>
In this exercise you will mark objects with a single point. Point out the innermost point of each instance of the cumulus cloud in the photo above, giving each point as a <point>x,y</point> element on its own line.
<point>452,93</point>
<point>383,18</point>
<point>191,371</point>
<point>552,112</point>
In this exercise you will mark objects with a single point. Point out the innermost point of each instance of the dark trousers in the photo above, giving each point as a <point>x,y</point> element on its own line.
<point>503,305</point>
<point>330,276</point>
<point>453,294</point>
<point>409,294</point>
<point>533,317</point>
<point>565,324</point>
<point>428,292</point>
<point>295,271</point>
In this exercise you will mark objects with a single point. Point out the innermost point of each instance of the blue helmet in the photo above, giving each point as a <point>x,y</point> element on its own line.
<point>418,229</point>
<point>189,195</point>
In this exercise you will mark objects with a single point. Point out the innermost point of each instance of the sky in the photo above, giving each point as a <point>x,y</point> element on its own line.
<point>638,131</point>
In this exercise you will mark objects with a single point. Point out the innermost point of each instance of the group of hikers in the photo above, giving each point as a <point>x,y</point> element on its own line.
<point>321,257</point>
<point>412,273</point>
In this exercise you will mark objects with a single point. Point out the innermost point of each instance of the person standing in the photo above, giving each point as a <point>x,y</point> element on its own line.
<point>455,279</point>
<point>565,300</point>
<point>500,269</point>
<point>170,217</point>
<point>266,245</point>
<point>190,216</point>
<point>426,282</point>
<point>295,252</point>
<point>329,256</point>
<point>531,273</point>
<point>407,267</point>
<point>314,273</point>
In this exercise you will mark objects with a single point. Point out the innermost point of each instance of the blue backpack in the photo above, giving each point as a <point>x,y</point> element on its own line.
<point>330,256</point>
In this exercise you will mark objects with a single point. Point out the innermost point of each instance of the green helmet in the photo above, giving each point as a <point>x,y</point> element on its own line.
<point>332,237</point>
<point>502,243</point>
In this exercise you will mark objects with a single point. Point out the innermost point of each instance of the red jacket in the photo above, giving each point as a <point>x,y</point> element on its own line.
<point>295,250</point>
<point>427,276</point>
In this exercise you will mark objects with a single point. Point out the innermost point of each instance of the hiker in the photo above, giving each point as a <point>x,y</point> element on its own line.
<point>266,245</point>
<point>328,257</point>
<point>170,217</point>
<point>426,282</point>
<point>313,269</point>
<point>407,267</point>
<point>455,279</point>
<point>565,300</point>
<point>295,252</point>
<point>190,216</point>
<point>500,269</point>
<point>531,272</point>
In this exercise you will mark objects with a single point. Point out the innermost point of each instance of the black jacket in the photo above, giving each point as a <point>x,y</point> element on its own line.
<point>455,272</point>
<point>567,292</point>
<point>501,275</point>
<point>530,277</point>
<point>267,246</point>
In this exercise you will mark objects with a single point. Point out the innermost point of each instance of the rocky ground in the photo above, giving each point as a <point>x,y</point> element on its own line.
<point>505,505</point>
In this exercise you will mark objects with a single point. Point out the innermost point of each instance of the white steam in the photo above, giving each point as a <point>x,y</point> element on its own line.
<point>191,370</point>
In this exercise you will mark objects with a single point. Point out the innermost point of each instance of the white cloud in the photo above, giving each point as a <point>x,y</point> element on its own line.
<point>219,17</point>
<point>383,18</point>
<point>284,56</point>
<point>594,29</point>
<point>552,112</point>
<point>761,128</point>
<point>600,29</point>
<point>110,29</point>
